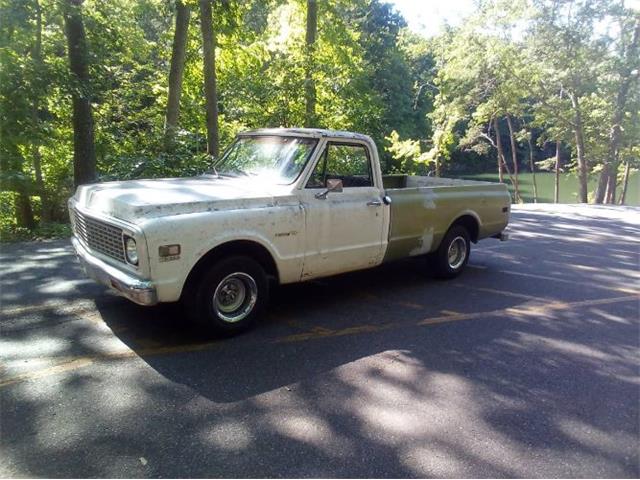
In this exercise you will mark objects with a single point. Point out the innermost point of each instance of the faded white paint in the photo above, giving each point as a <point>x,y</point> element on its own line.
<point>306,236</point>
<point>425,244</point>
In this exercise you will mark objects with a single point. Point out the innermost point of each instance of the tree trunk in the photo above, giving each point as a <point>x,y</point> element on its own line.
<point>501,161</point>
<point>556,191</point>
<point>612,184</point>
<point>84,154</point>
<point>24,211</point>
<point>209,65</point>
<point>176,73</point>
<point>609,176</point>
<point>514,159</point>
<point>45,208</point>
<point>583,167</point>
<point>502,164</point>
<point>625,184</point>
<point>309,84</point>
<point>533,169</point>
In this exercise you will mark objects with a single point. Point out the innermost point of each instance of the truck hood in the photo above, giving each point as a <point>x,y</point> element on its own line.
<point>137,200</point>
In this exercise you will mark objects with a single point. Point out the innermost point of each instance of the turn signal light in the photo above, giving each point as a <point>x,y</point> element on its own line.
<point>169,250</point>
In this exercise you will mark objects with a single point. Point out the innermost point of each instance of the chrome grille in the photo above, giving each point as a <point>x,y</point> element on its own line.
<point>99,236</point>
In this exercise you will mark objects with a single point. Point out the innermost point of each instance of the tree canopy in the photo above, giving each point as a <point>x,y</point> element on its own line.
<point>120,89</point>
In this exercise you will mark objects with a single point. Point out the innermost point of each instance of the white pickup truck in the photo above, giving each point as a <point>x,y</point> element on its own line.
<point>280,206</point>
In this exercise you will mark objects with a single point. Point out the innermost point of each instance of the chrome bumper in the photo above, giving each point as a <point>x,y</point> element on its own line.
<point>139,291</point>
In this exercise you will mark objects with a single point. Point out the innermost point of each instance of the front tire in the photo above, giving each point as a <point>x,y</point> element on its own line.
<point>230,296</point>
<point>452,254</point>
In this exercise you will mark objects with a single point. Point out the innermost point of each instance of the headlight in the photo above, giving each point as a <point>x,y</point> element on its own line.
<point>131,250</point>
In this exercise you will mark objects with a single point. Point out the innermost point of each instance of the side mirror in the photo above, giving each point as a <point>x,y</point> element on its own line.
<point>333,185</point>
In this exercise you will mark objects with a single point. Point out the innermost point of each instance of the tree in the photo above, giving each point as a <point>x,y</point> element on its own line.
<point>626,70</point>
<point>176,73</point>
<point>84,154</point>
<point>527,134</point>
<point>562,40</point>
<point>556,180</point>
<point>388,72</point>
<point>310,46</point>
<point>209,65</point>
<point>514,157</point>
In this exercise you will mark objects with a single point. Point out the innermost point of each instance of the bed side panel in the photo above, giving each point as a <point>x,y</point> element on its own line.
<point>421,216</point>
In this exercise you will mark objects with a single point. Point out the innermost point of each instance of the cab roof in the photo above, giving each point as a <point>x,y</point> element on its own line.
<point>307,132</point>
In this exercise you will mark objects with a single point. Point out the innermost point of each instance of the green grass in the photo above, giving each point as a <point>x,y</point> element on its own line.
<point>11,233</point>
<point>568,186</point>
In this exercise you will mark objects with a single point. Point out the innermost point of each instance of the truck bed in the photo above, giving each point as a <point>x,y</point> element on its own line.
<point>423,209</point>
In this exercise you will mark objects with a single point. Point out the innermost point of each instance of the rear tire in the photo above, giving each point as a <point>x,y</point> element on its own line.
<point>228,297</point>
<point>452,254</point>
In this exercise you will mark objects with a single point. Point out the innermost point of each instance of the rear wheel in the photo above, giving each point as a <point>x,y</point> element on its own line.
<point>452,254</point>
<point>229,297</point>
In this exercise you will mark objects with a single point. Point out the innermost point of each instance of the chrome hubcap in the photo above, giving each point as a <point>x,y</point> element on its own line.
<point>457,253</point>
<point>235,297</point>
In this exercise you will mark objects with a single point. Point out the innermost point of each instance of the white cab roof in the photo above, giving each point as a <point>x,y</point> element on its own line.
<point>307,132</point>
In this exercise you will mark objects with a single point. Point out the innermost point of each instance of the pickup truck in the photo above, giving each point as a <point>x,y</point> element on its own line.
<point>279,206</point>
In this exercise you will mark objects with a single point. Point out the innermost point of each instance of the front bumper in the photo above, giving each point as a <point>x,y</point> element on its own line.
<point>139,291</point>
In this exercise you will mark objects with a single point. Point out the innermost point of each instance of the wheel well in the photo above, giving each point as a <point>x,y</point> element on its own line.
<point>471,224</point>
<point>237,247</point>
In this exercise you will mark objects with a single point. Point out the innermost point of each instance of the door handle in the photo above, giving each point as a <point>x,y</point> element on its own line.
<point>374,203</point>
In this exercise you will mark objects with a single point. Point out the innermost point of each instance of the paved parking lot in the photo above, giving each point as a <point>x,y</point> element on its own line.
<point>526,365</point>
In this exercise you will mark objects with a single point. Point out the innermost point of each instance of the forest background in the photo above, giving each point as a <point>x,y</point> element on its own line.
<point>540,94</point>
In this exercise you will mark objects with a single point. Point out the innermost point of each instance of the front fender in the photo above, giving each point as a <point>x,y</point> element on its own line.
<point>280,230</point>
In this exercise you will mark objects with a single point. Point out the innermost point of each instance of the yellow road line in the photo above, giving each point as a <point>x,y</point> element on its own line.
<point>316,333</point>
<point>72,363</point>
<point>533,310</point>
<point>503,292</point>
<point>450,317</point>
<point>325,333</point>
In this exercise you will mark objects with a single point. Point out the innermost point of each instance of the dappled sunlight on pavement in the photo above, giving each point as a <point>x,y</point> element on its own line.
<point>526,365</point>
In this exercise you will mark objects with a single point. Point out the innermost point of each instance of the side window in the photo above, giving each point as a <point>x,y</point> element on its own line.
<point>349,163</point>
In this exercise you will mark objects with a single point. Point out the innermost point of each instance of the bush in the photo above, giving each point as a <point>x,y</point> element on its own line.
<point>10,233</point>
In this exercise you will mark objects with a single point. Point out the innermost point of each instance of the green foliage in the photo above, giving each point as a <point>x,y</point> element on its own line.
<point>407,155</point>
<point>428,103</point>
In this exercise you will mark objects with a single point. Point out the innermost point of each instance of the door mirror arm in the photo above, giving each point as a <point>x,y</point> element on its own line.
<point>333,185</point>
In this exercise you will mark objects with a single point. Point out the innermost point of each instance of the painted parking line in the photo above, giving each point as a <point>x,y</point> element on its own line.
<point>534,310</point>
<point>504,293</point>
<point>74,363</point>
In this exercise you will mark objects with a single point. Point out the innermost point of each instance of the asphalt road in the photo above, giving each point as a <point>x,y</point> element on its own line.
<point>526,365</point>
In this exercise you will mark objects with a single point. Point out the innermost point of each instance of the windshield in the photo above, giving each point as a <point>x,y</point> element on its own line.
<point>278,159</point>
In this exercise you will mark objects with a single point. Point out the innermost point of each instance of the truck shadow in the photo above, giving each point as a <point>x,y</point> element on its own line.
<point>529,379</point>
<point>308,324</point>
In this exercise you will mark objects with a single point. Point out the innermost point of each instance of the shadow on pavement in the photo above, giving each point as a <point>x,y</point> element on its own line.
<point>550,394</point>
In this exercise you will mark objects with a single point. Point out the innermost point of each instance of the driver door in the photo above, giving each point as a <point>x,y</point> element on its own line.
<point>344,229</point>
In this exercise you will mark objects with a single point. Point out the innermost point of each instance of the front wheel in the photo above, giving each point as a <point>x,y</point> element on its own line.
<point>230,296</point>
<point>452,254</point>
